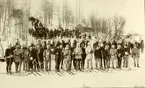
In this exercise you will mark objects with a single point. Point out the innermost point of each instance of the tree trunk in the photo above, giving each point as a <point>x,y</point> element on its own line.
<point>52,14</point>
<point>4,22</point>
<point>0,25</point>
<point>17,29</point>
<point>45,15</point>
<point>49,20</point>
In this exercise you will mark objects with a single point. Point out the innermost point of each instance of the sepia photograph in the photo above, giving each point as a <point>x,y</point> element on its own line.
<point>72,43</point>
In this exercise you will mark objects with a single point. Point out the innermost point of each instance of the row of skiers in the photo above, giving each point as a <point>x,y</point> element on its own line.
<point>80,55</point>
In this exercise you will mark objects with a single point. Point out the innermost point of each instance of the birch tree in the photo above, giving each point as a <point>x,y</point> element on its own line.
<point>1,13</point>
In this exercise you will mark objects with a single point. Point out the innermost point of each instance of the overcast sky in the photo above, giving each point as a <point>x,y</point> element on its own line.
<point>131,10</point>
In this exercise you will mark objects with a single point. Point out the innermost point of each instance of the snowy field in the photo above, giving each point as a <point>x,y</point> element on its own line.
<point>113,78</point>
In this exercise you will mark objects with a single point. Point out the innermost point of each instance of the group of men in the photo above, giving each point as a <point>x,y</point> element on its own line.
<point>67,55</point>
<point>40,31</point>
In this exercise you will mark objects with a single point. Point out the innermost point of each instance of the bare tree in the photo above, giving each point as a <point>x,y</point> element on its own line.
<point>8,6</point>
<point>67,16</point>
<point>107,25</point>
<point>48,9</point>
<point>4,19</point>
<point>25,19</point>
<point>1,19</point>
<point>118,23</point>
<point>104,25</point>
<point>92,19</point>
<point>85,22</point>
<point>72,19</point>
<point>1,13</point>
<point>44,8</point>
<point>58,16</point>
<point>95,23</point>
<point>109,28</point>
<point>17,14</point>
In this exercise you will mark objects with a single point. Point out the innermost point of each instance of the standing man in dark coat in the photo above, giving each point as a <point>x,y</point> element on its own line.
<point>59,57</point>
<point>106,56</point>
<point>119,55</point>
<point>40,56</point>
<point>102,49</point>
<point>98,56</point>
<point>9,59</point>
<point>126,53</point>
<point>32,58</point>
<point>83,55</point>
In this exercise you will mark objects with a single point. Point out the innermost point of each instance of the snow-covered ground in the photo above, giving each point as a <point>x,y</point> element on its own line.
<point>124,78</point>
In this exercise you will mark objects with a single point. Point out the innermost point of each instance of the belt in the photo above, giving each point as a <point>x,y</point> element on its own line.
<point>17,55</point>
<point>126,55</point>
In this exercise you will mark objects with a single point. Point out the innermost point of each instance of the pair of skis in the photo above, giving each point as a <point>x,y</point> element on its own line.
<point>34,73</point>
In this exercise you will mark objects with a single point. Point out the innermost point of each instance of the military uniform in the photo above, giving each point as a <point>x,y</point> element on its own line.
<point>67,59</point>
<point>78,57</point>
<point>113,53</point>
<point>18,58</point>
<point>47,59</point>
<point>25,59</point>
<point>136,55</point>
